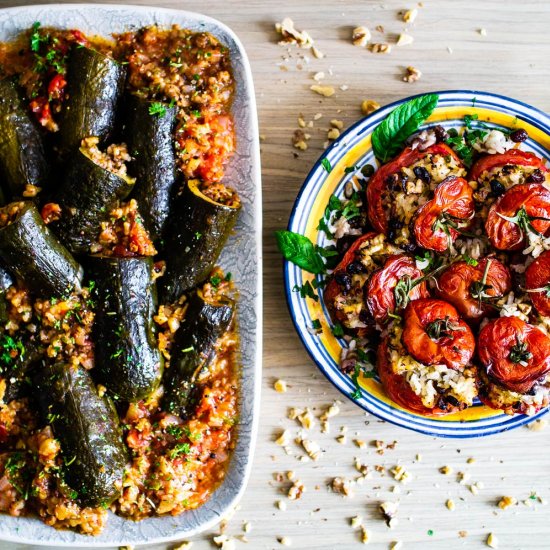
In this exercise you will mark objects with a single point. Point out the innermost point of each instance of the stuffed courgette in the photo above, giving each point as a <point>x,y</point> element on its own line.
<point>32,252</point>
<point>149,134</point>
<point>128,361</point>
<point>94,183</point>
<point>204,322</point>
<point>22,156</point>
<point>94,86</point>
<point>200,225</point>
<point>86,426</point>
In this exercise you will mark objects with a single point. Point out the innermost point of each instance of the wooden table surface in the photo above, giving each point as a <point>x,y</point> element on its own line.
<point>512,57</point>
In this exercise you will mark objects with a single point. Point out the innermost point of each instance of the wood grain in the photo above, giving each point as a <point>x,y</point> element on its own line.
<point>513,59</point>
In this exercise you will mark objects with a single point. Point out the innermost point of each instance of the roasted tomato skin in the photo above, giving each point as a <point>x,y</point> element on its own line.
<point>513,156</point>
<point>495,342</point>
<point>454,349</point>
<point>506,235</point>
<point>454,286</point>
<point>334,287</point>
<point>452,196</point>
<point>377,184</point>
<point>397,387</point>
<point>537,275</point>
<point>379,291</point>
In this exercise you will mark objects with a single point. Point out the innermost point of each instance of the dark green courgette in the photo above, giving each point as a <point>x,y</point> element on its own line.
<point>18,360</point>
<point>87,195</point>
<point>87,427</point>
<point>95,83</point>
<point>32,252</point>
<point>22,155</point>
<point>197,231</point>
<point>6,280</point>
<point>193,349</point>
<point>127,362</point>
<point>150,139</point>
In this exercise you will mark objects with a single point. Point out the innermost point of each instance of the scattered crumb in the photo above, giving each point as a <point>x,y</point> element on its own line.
<point>400,474</point>
<point>224,542</point>
<point>293,413</point>
<point>419,457</point>
<point>379,28</point>
<point>463,477</point>
<point>281,504</point>
<point>449,49</point>
<point>368,106</point>
<point>290,475</point>
<point>284,541</point>
<point>312,448</point>
<point>363,469</point>
<point>537,425</point>
<point>296,490</point>
<point>474,489</point>
<point>404,39</point>
<point>365,535</point>
<point>280,385</point>
<point>247,527</point>
<point>483,32</point>
<point>307,419</point>
<point>463,534</point>
<point>397,545</point>
<point>290,35</point>
<point>186,545</point>
<point>450,504</point>
<point>333,133</point>
<point>283,439</point>
<point>318,54</point>
<point>412,74</point>
<point>446,470</point>
<point>361,443</point>
<point>317,116</point>
<point>342,486</point>
<point>389,510</point>
<point>471,460</point>
<point>356,521</point>
<point>492,541</point>
<point>326,91</point>
<point>379,47</point>
<point>337,123</point>
<point>334,409</point>
<point>318,76</point>
<point>360,36</point>
<point>410,15</point>
<point>506,502</point>
<point>301,124</point>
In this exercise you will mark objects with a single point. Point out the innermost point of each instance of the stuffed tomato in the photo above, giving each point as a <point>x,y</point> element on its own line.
<point>424,361</point>
<point>514,372</point>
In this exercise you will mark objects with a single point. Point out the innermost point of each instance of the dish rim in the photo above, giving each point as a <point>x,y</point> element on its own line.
<point>287,266</point>
<point>257,302</point>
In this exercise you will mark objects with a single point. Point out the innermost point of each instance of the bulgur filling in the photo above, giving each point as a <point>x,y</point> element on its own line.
<point>221,194</point>
<point>113,159</point>
<point>9,213</point>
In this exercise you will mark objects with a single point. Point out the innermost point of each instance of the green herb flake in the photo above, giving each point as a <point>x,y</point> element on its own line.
<point>157,108</point>
<point>35,37</point>
<point>337,330</point>
<point>181,449</point>
<point>306,291</point>
<point>326,165</point>
<point>316,324</point>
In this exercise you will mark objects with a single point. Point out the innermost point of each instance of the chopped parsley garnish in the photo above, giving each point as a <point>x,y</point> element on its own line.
<point>316,324</point>
<point>175,430</point>
<point>306,291</point>
<point>338,330</point>
<point>359,370</point>
<point>215,281</point>
<point>35,37</point>
<point>180,449</point>
<point>157,108</point>
<point>326,165</point>
<point>11,350</point>
<point>350,169</point>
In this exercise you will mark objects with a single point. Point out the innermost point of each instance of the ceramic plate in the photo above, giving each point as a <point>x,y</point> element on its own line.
<point>241,256</point>
<point>354,148</point>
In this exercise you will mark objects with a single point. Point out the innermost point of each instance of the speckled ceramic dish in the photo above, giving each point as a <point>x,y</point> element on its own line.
<point>354,148</point>
<point>241,256</point>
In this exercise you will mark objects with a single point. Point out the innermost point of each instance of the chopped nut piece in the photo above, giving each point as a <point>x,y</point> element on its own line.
<point>337,123</point>
<point>302,145</point>
<point>474,489</point>
<point>280,386</point>
<point>333,133</point>
<point>326,91</point>
<point>296,490</point>
<point>290,35</point>
<point>400,474</point>
<point>463,534</point>
<point>283,439</point>
<point>281,504</point>
<point>446,470</point>
<point>397,545</point>
<point>379,47</point>
<point>537,425</point>
<point>412,74</point>
<point>450,504</point>
<point>379,28</point>
<point>365,535</point>
<point>342,439</point>
<point>306,419</point>
<point>418,457</point>
<point>311,448</point>
<point>388,510</point>
<point>471,460</point>
<point>356,521</point>
<point>334,409</point>
<point>284,541</point>
<point>293,413</point>
<point>186,545</point>
<point>301,122</point>
<point>410,15</point>
<point>224,542</point>
<point>368,106</point>
<point>463,477</point>
<point>247,527</point>
<point>290,475</point>
<point>492,541</point>
<point>360,36</point>
<point>404,39</point>
<point>483,32</point>
<point>506,502</point>
<point>318,54</point>
<point>342,486</point>
<point>361,443</point>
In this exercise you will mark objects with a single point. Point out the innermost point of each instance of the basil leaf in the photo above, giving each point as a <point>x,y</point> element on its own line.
<point>300,251</point>
<point>390,135</point>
